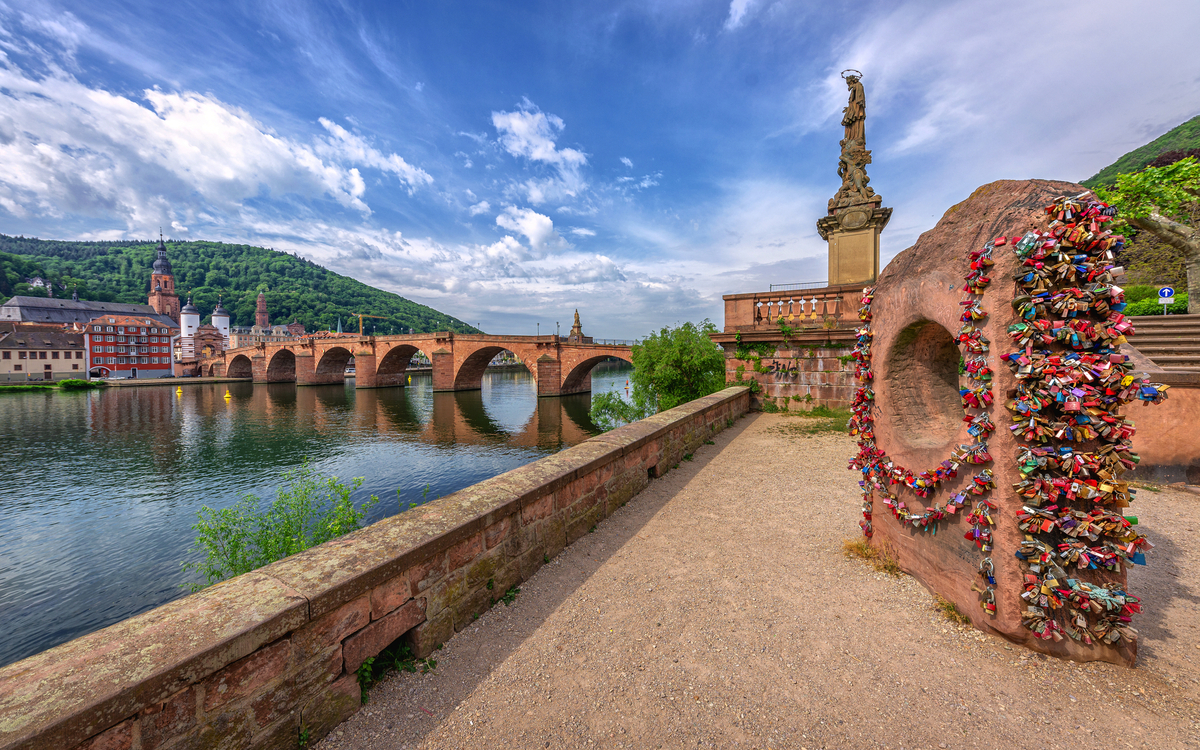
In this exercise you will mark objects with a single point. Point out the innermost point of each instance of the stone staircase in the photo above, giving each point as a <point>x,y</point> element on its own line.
<point>1170,341</point>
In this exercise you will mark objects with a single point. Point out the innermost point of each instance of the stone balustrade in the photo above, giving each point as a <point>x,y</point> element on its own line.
<point>830,307</point>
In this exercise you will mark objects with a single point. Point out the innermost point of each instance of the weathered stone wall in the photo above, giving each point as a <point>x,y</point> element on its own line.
<point>797,376</point>
<point>250,662</point>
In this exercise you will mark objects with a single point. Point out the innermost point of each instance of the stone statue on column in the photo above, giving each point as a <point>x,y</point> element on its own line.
<point>856,214</point>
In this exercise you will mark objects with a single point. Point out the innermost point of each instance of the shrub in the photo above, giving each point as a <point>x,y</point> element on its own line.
<point>670,367</point>
<point>1151,305</point>
<point>308,510</point>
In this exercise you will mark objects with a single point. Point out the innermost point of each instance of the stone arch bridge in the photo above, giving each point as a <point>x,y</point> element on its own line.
<point>558,365</point>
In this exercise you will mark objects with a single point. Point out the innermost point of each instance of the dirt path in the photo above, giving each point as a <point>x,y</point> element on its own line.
<point>717,610</point>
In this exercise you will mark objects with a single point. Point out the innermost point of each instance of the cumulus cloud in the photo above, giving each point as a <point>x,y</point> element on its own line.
<point>627,161</point>
<point>531,134</point>
<point>537,228</point>
<point>164,157</point>
<point>482,207</point>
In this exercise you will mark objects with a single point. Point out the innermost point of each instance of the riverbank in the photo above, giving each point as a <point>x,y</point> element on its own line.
<point>69,384</point>
<point>718,610</point>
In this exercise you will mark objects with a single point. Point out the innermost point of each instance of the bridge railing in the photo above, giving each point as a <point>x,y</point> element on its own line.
<point>616,342</point>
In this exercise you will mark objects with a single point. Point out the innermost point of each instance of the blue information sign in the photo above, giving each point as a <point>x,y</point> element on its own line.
<point>1166,293</point>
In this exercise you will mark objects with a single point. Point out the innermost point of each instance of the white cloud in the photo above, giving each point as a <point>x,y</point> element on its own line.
<point>537,228</point>
<point>347,147</point>
<point>68,148</point>
<point>581,232</point>
<point>627,161</point>
<point>482,207</point>
<point>737,13</point>
<point>530,133</point>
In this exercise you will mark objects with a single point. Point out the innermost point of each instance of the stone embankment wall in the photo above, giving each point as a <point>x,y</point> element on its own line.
<point>796,377</point>
<point>255,661</point>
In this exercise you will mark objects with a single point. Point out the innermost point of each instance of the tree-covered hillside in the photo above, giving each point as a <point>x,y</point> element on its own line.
<point>1182,138</point>
<point>296,289</point>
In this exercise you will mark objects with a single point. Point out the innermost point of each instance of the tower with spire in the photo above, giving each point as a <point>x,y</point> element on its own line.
<point>261,319</point>
<point>163,298</point>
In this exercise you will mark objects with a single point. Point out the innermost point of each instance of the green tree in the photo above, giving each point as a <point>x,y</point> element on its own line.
<point>1165,202</point>
<point>671,367</point>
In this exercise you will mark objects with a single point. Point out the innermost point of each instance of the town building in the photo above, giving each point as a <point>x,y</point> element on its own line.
<point>198,340</point>
<point>163,298</point>
<point>39,352</point>
<point>130,346</point>
<point>240,336</point>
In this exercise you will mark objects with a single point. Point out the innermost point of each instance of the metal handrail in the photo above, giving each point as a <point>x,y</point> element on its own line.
<point>616,342</point>
<point>799,285</point>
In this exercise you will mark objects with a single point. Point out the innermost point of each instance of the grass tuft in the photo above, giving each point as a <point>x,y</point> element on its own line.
<point>880,557</point>
<point>950,610</point>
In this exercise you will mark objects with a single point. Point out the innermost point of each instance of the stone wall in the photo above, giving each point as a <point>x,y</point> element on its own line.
<point>797,376</point>
<point>251,662</point>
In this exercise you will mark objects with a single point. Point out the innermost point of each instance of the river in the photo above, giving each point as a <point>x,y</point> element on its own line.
<point>100,488</point>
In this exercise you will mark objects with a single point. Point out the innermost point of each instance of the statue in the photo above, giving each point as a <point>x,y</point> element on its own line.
<point>852,164</point>
<point>854,115</point>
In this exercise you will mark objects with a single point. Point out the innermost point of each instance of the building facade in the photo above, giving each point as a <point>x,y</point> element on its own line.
<point>37,352</point>
<point>129,346</point>
<point>163,298</point>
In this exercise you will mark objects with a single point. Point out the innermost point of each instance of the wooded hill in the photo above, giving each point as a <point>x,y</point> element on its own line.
<point>1182,138</point>
<point>296,289</point>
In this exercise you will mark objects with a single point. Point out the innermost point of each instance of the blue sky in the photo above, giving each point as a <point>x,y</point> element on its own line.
<point>507,162</point>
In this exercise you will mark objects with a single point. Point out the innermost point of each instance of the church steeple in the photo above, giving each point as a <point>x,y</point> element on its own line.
<point>163,298</point>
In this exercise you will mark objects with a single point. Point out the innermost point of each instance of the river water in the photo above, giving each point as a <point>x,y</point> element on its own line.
<point>99,489</point>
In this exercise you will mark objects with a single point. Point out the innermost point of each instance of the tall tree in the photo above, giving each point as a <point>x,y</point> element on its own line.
<point>1165,202</point>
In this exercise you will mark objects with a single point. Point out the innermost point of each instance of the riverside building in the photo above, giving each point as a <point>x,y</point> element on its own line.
<point>38,352</point>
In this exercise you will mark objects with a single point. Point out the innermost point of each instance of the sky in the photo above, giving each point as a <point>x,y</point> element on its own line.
<point>509,162</point>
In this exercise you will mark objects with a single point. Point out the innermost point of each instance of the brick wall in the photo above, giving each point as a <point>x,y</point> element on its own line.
<point>248,662</point>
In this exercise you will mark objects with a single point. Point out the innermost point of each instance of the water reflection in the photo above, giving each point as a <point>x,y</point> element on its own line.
<point>101,488</point>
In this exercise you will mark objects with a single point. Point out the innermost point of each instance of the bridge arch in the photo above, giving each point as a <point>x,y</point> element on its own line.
<point>392,368</point>
<point>579,379</point>
<point>240,367</point>
<point>332,366</point>
<point>282,367</point>
<point>470,373</point>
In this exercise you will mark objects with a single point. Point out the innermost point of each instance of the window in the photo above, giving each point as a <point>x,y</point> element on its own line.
<point>143,331</point>
<point>41,355</point>
<point>143,339</point>
<point>47,367</point>
<point>8,355</point>
<point>21,355</point>
<point>78,355</point>
<point>97,328</point>
<point>108,329</point>
<point>17,368</point>
<point>120,360</point>
<point>110,338</point>
<point>120,329</point>
<point>145,360</point>
<point>154,360</point>
<point>120,339</point>
<point>53,355</point>
<point>74,367</point>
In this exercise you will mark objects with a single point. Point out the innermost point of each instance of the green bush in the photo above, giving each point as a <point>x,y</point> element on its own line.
<point>670,367</point>
<point>308,510</point>
<point>77,384</point>
<point>1151,306</point>
<point>1139,292</point>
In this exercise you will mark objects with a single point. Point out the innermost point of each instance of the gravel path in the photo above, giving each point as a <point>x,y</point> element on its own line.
<point>717,610</point>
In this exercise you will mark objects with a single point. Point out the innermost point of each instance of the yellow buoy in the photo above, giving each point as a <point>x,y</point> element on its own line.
<point>226,395</point>
<point>179,391</point>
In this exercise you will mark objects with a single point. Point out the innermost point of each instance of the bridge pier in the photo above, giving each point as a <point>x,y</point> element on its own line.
<point>258,368</point>
<point>549,376</point>
<point>364,369</point>
<point>443,370</point>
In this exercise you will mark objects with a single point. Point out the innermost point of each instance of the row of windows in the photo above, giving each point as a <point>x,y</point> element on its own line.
<point>132,329</point>
<point>132,349</point>
<point>41,355</point>
<point>132,360</point>
<point>21,368</point>
<point>132,339</point>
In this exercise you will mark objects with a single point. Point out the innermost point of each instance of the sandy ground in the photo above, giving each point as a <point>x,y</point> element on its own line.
<point>717,610</point>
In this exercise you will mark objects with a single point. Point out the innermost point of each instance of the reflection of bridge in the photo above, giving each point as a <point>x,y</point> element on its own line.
<point>459,360</point>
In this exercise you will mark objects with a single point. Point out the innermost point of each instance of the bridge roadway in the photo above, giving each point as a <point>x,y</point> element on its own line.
<point>558,365</point>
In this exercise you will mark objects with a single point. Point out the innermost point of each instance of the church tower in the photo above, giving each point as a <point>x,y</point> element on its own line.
<point>163,298</point>
<point>260,312</point>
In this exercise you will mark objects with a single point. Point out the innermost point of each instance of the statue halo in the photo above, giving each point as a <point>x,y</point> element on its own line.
<point>853,73</point>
